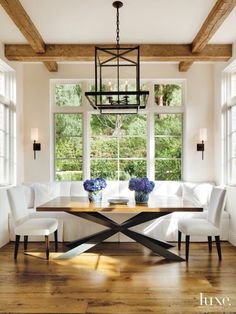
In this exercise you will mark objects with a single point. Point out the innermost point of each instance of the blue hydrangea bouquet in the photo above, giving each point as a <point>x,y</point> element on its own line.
<point>142,188</point>
<point>94,188</point>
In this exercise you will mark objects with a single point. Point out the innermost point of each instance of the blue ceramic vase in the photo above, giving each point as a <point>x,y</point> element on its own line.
<point>141,197</point>
<point>95,196</point>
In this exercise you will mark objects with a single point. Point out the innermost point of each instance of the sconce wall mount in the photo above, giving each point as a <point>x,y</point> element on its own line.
<point>34,138</point>
<point>202,139</point>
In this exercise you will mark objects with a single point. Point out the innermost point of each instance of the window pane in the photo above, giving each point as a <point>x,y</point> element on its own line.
<point>69,170</point>
<point>167,169</point>
<point>133,147</point>
<point>104,147</point>
<point>168,124</point>
<point>68,125</point>
<point>168,94</point>
<point>4,145</point>
<point>118,125</point>
<point>118,136</point>
<point>234,144</point>
<point>132,168</point>
<point>104,124</point>
<point>132,125</point>
<point>233,171</point>
<point>168,147</point>
<point>68,95</point>
<point>2,92</point>
<point>233,118</point>
<point>107,169</point>
<point>68,147</point>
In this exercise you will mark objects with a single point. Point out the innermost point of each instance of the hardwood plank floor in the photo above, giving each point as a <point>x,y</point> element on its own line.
<point>117,278</point>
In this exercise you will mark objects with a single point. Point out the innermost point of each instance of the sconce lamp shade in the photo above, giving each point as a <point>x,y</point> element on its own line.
<point>203,135</point>
<point>34,134</point>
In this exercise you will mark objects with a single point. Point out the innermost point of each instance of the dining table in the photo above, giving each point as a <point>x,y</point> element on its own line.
<point>156,207</point>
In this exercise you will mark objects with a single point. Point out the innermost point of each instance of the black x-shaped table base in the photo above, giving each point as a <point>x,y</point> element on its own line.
<point>86,243</point>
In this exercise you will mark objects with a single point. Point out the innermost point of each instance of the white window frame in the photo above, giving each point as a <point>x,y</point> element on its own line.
<point>86,110</point>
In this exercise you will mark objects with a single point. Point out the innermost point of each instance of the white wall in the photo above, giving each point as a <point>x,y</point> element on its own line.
<point>199,113</point>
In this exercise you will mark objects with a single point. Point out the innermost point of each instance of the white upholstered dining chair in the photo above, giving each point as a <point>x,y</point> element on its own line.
<point>26,226</point>
<point>209,226</point>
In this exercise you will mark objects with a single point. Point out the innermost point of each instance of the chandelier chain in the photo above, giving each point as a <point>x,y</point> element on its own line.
<point>117,28</point>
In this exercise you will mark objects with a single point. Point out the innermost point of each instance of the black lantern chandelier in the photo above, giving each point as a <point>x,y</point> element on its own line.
<point>118,95</point>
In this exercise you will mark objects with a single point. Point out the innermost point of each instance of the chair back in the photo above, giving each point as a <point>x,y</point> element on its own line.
<point>216,205</point>
<point>18,205</point>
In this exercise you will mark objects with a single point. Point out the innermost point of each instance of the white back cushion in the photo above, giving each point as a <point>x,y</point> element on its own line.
<point>18,204</point>
<point>216,205</point>
<point>65,188</point>
<point>167,188</point>
<point>123,189</point>
<point>197,193</point>
<point>77,189</point>
<point>45,192</point>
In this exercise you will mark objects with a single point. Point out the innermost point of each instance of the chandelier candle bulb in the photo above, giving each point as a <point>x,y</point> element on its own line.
<point>110,87</point>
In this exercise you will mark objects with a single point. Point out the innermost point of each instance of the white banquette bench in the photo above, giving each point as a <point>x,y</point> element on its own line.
<point>71,227</point>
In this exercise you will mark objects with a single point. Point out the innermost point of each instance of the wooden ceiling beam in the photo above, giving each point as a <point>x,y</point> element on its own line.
<point>52,66</point>
<point>214,20</point>
<point>152,52</point>
<point>185,65</point>
<point>22,20</point>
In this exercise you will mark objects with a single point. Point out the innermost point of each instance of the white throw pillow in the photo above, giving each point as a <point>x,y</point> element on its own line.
<point>44,192</point>
<point>197,193</point>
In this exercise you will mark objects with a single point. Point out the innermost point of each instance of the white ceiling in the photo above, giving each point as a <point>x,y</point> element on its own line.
<point>93,21</point>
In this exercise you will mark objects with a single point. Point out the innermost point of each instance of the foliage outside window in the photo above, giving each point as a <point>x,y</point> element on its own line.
<point>118,146</point>
<point>68,147</point>
<point>68,95</point>
<point>168,146</point>
<point>168,95</point>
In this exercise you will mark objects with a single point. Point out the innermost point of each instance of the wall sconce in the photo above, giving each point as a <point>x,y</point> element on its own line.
<point>202,139</point>
<point>35,138</point>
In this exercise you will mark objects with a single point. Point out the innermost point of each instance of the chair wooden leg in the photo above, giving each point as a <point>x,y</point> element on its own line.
<point>179,240</point>
<point>56,242</point>
<point>17,242</point>
<point>218,246</point>
<point>210,244</point>
<point>47,246</point>
<point>25,242</point>
<point>187,240</point>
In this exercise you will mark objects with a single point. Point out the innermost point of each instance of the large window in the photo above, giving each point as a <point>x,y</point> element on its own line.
<point>117,147</point>
<point>7,109</point>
